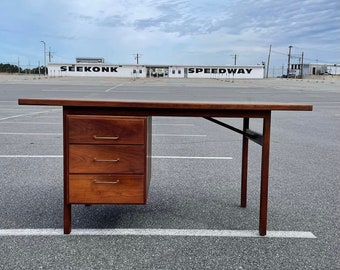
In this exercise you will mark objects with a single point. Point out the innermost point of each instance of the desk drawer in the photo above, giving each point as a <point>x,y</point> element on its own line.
<point>92,188</point>
<point>95,129</point>
<point>129,159</point>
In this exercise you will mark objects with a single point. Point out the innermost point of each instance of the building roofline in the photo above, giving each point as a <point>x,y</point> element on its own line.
<point>158,66</point>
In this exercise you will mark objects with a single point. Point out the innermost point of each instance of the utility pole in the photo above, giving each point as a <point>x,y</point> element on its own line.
<point>44,57</point>
<point>137,56</point>
<point>289,55</point>
<point>301,66</point>
<point>234,59</point>
<point>50,55</point>
<point>270,50</point>
<point>18,65</point>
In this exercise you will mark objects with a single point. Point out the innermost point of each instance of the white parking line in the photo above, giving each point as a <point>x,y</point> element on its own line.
<point>30,123</point>
<point>187,157</point>
<point>50,134</point>
<point>189,125</point>
<point>27,114</point>
<point>66,90</point>
<point>114,87</point>
<point>155,157</point>
<point>31,156</point>
<point>157,232</point>
<point>37,134</point>
<point>178,135</point>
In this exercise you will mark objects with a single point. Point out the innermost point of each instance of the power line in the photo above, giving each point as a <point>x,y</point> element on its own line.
<point>279,52</point>
<point>291,55</point>
<point>297,56</point>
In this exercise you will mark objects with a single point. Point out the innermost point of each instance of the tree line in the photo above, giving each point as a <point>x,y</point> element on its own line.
<point>11,69</point>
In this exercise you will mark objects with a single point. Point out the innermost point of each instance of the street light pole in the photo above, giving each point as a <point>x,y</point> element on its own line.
<point>44,57</point>
<point>289,55</point>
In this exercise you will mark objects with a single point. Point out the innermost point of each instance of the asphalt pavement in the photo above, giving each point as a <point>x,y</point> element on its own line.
<point>192,219</point>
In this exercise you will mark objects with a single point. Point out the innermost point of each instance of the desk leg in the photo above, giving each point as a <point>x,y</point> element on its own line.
<point>264,175</point>
<point>67,206</point>
<point>244,175</point>
<point>67,218</point>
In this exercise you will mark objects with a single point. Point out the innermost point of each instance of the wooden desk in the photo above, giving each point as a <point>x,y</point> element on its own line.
<point>132,146</point>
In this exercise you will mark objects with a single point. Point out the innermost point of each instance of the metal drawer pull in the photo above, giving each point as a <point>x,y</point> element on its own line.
<point>105,160</point>
<point>105,138</point>
<point>105,182</point>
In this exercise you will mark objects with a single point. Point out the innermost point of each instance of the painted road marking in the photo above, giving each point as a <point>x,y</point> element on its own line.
<point>155,157</point>
<point>189,125</point>
<point>27,114</point>
<point>114,87</point>
<point>31,156</point>
<point>157,232</point>
<point>39,134</point>
<point>67,90</point>
<point>31,123</point>
<point>178,135</point>
<point>187,157</point>
<point>50,134</point>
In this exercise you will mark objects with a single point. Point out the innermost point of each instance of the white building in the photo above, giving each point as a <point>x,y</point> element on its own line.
<point>314,69</point>
<point>144,71</point>
<point>324,69</point>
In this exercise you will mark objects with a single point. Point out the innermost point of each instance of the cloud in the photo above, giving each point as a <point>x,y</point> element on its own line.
<point>112,21</point>
<point>164,31</point>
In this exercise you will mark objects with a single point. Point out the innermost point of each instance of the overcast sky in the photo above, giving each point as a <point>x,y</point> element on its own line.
<point>207,32</point>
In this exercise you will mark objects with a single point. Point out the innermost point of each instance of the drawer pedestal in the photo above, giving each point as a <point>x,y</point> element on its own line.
<point>107,159</point>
